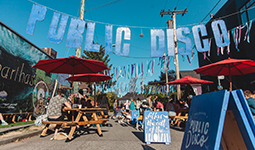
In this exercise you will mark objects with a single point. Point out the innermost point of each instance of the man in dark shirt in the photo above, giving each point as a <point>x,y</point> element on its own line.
<point>250,101</point>
<point>86,103</point>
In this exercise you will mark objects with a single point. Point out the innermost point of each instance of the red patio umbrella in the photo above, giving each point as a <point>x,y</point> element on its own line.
<point>90,77</point>
<point>70,65</point>
<point>228,67</point>
<point>189,80</point>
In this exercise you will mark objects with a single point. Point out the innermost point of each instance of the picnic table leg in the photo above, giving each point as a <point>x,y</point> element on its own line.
<point>98,126</point>
<point>13,118</point>
<point>29,118</point>
<point>85,119</point>
<point>45,129</point>
<point>74,127</point>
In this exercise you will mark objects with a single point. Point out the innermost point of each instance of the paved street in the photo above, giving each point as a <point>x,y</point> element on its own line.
<point>114,137</point>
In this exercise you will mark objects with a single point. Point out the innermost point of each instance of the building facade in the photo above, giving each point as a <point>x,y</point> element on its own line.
<point>23,88</point>
<point>235,13</point>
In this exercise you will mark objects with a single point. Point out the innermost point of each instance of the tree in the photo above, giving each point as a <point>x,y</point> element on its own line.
<point>162,78</point>
<point>101,56</point>
<point>98,56</point>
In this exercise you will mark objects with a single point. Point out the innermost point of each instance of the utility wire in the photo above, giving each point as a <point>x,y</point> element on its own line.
<point>211,10</point>
<point>179,20</point>
<point>92,19</point>
<point>177,4</point>
<point>189,4</point>
<point>143,26</point>
<point>161,17</point>
<point>110,3</point>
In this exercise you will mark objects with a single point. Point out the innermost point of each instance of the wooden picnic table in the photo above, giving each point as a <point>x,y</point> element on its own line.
<point>78,121</point>
<point>13,116</point>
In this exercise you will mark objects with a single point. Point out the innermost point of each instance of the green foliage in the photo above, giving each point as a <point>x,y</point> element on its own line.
<point>101,56</point>
<point>98,56</point>
<point>111,97</point>
<point>161,97</point>
<point>16,124</point>
<point>40,75</point>
<point>25,105</point>
<point>162,78</point>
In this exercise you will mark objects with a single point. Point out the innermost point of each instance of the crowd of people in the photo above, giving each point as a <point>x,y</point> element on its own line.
<point>124,110</point>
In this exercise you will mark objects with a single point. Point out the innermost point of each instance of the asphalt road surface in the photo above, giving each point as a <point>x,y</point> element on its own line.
<point>115,136</point>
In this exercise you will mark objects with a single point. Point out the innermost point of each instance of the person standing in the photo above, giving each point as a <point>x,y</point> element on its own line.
<point>54,110</point>
<point>127,106</point>
<point>132,104</point>
<point>115,104</point>
<point>149,101</point>
<point>250,101</point>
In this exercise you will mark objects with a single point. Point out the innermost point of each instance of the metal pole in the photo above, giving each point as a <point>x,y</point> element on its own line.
<point>167,87</point>
<point>78,50</point>
<point>176,57</point>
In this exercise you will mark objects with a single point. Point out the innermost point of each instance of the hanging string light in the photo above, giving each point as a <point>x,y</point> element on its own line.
<point>141,34</point>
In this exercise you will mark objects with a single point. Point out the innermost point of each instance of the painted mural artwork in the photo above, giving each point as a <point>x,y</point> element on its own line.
<point>22,88</point>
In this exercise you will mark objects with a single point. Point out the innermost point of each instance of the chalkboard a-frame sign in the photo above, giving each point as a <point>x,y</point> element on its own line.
<point>156,127</point>
<point>219,120</point>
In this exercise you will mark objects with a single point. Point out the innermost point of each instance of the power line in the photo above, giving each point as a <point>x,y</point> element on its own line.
<point>211,10</point>
<point>135,57</point>
<point>179,20</point>
<point>177,4</point>
<point>144,49</point>
<point>143,26</point>
<point>161,17</point>
<point>110,3</point>
<point>92,19</point>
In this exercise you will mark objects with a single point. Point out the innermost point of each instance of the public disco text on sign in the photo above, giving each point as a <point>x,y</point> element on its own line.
<point>76,28</point>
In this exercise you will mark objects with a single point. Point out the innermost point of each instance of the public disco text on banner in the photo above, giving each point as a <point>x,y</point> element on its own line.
<point>219,120</point>
<point>77,27</point>
<point>156,127</point>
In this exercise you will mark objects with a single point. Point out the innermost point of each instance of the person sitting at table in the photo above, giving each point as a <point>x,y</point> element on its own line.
<point>86,103</point>
<point>184,104</point>
<point>170,107</point>
<point>122,114</point>
<point>54,110</point>
<point>157,106</point>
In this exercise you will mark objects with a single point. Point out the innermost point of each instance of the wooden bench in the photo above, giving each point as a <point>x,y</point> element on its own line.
<point>81,119</point>
<point>12,116</point>
<point>70,123</point>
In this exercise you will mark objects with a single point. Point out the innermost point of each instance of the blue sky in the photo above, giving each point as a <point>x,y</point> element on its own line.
<point>139,16</point>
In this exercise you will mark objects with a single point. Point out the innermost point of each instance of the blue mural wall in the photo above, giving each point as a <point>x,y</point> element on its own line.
<point>20,85</point>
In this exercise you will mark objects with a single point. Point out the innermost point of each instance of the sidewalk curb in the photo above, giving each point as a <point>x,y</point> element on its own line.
<point>9,129</point>
<point>14,138</point>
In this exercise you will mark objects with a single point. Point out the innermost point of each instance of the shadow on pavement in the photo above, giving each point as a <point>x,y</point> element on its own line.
<point>139,135</point>
<point>177,128</point>
<point>147,147</point>
<point>84,131</point>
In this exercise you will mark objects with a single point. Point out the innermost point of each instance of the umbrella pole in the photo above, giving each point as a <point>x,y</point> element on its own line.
<point>230,81</point>
<point>73,94</point>
<point>188,94</point>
